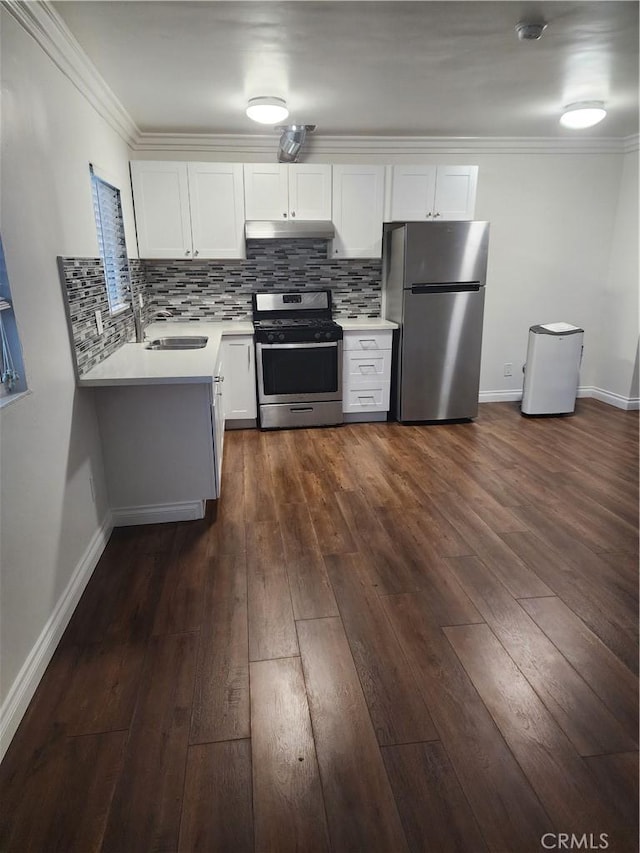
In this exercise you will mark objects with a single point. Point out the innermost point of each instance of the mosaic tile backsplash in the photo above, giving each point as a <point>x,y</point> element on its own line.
<point>221,290</point>
<point>212,290</point>
<point>85,292</point>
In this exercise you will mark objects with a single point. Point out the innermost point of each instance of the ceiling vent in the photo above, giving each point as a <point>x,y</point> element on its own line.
<point>292,140</point>
<point>530,31</point>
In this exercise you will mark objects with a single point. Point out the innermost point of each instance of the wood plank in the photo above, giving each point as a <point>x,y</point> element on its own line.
<point>102,689</point>
<point>397,709</point>
<point>617,779</point>
<point>311,593</point>
<point>220,707</point>
<point>298,534</point>
<point>332,531</point>
<point>272,632</point>
<point>259,498</point>
<point>351,766</point>
<point>287,795</point>
<point>180,603</point>
<point>587,596</point>
<point>505,806</point>
<point>584,718</point>
<point>217,811</point>
<point>435,813</point>
<point>614,683</point>
<point>486,544</point>
<point>449,603</point>
<point>65,799</point>
<point>146,809</point>
<point>557,773</point>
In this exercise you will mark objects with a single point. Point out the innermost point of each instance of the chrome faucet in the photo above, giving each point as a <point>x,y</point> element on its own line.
<point>140,323</point>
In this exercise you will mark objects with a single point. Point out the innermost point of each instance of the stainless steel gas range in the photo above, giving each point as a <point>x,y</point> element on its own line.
<point>298,359</point>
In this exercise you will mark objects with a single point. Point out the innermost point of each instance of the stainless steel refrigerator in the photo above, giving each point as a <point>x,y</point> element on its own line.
<point>435,276</point>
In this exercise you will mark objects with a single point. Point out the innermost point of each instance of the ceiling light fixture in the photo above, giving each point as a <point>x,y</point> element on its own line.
<point>583,114</point>
<point>267,110</point>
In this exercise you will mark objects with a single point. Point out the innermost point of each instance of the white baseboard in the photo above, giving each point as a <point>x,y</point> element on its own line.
<point>24,686</point>
<point>626,403</point>
<point>499,396</point>
<point>127,516</point>
<point>629,404</point>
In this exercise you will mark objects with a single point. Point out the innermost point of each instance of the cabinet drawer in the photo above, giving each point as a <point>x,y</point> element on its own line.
<point>373,366</point>
<point>366,397</point>
<point>378,340</point>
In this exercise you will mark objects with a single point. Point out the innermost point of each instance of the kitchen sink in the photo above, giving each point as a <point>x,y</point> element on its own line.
<point>185,342</point>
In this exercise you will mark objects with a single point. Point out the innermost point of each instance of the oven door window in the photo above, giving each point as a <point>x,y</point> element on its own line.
<point>300,370</point>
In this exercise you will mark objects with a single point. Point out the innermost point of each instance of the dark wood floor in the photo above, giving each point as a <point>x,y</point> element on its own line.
<point>384,638</point>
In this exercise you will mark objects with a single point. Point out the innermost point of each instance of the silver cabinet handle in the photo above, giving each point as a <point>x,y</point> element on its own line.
<point>188,252</point>
<point>436,214</point>
<point>218,378</point>
<point>293,213</point>
<point>428,214</point>
<point>196,253</point>
<point>284,215</point>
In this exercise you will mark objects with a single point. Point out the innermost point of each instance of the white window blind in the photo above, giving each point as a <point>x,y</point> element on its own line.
<point>111,242</point>
<point>12,378</point>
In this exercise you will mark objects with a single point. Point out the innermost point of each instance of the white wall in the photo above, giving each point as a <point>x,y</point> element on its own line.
<point>617,370</point>
<point>49,444</point>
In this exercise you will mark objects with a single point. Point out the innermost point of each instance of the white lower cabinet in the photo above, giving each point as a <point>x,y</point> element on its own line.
<point>366,372</point>
<point>240,403</point>
<point>162,448</point>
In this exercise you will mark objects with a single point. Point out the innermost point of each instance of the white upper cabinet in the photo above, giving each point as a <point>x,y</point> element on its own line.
<point>161,198</point>
<point>432,192</point>
<point>188,210</point>
<point>287,191</point>
<point>358,200</point>
<point>217,209</point>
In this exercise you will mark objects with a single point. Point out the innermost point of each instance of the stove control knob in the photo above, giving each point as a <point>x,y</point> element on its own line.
<point>269,337</point>
<point>317,336</point>
<point>280,337</point>
<point>327,335</point>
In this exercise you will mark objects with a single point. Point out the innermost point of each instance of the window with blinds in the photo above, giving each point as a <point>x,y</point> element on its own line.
<point>12,378</point>
<point>111,242</point>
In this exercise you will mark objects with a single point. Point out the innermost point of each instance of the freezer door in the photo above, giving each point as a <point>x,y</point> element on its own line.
<point>446,252</point>
<point>440,354</point>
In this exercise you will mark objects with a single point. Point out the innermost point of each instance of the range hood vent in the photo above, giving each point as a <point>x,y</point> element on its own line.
<point>284,229</point>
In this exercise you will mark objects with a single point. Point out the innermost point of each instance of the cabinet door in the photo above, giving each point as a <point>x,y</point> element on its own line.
<point>240,378</point>
<point>216,197</point>
<point>455,196</point>
<point>358,198</point>
<point>309,191</point>
<point>412,193</point>
<point>161,199</point>
<point>266,191</point>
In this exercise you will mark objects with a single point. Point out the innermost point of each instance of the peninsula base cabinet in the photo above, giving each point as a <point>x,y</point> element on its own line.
<point>366,374</point>
<point>162,447</point>
<point>240,402</point>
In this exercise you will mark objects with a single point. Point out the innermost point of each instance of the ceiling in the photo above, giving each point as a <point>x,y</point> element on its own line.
<point>423,69</point>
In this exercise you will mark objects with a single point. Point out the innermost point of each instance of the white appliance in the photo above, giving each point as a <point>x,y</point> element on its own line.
<point>554,355</point>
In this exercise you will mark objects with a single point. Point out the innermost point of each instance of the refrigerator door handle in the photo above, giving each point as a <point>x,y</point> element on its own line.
<point>452,287</point>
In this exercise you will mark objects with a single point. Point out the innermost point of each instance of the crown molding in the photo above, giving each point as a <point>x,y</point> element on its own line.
<point>45,25</point>
<point>384,146</point>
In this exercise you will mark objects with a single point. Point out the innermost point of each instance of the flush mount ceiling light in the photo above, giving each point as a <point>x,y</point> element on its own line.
<point>267,110</point>
<point>583,114</point>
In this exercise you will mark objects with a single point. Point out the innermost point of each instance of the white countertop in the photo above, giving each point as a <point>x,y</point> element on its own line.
<point>364,323</point>
<point>132,364</point>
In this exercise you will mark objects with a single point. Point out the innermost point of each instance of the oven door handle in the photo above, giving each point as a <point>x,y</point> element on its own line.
<point>300,345</point>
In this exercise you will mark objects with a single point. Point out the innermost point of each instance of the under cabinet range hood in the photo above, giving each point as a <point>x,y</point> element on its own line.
<point>283,229</point>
